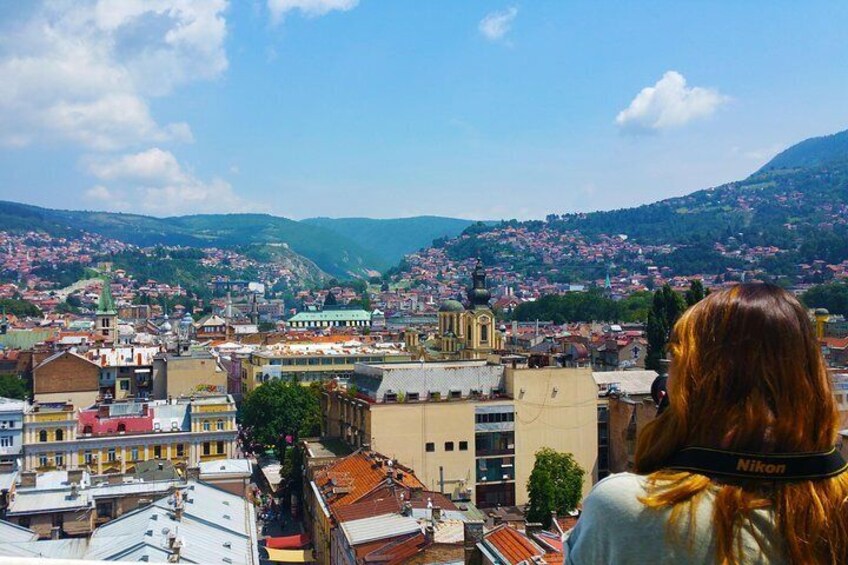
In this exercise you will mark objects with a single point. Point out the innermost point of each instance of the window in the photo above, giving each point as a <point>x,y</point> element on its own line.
<point>134,454</point>
<point>87,457</point>
<point>157,452</point>
<point>448,446</point>
<point>60,435</point>
<point>455,394</point>
<point>180,450</point>
<point>220,447</point>
<point>60,460</point>
<point>111,456</point>
<point>125,384</point>
<point>463,446</point>
<point>206,448</point>
<point>86,430</point>
<point>430,447</point>
<point>484,333</point>
<point>6,441</point>
<point>219,424</point>
<point>42,436</point>
<point>206,426</point>
<point>42,461</point>
<point>122,427</point>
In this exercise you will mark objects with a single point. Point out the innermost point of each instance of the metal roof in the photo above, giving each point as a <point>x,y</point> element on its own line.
<point>379,527</point>
<point>13,533</point>
<point>70,548</point>
<point>629,382</point>
<point>215,526</point>
<point>225,467</point>
<point>331,316</point>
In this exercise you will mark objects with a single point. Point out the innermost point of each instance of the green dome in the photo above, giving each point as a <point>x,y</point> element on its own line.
<point>452,306</point>
<point>822,312</point>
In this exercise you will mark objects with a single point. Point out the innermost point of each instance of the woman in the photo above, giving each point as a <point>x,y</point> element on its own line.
<point>740,467</point>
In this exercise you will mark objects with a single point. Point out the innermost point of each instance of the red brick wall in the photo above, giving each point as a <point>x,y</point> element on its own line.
<point>67,373</point>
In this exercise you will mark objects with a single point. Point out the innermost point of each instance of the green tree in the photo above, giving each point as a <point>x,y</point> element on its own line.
<point>20,308</point>
<point>696,292</point>
<point>11,386</point>
<point>665,310</point>
<point>832,296</point>
<point>555,484</point>
<point>330,300</point>
<point>279,409</point>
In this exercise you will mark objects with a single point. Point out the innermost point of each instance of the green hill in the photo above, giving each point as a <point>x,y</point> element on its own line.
<point>813,152</point>
<point>334,254</point>
<point>394,238</point>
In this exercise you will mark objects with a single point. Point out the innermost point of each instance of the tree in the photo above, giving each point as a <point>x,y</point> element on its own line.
<point>330,300</point>
<point>696,292</point>
<point>279,412</point>
<point>11,386</point>
<point>555,484</point>
<point>665,310</point>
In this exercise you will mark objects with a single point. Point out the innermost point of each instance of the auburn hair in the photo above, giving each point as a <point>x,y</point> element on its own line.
<point>747,375</point>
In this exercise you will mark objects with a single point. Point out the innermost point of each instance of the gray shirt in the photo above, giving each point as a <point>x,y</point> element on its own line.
<point>615,528</point>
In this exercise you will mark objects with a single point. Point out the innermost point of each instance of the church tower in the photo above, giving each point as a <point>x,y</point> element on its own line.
<point>106,321</point>
<point>480,320</point>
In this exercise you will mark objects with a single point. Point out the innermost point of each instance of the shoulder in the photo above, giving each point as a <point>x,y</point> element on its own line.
<point>620,491</point>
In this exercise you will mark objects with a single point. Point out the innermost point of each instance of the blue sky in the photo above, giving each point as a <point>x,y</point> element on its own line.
<point>387,108</point>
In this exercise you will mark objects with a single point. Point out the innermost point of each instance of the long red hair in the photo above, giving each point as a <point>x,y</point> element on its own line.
<point>747,375</point>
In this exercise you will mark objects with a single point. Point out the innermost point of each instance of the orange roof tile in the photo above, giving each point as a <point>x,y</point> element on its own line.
<point>355,476</point>
<point>512,545</point>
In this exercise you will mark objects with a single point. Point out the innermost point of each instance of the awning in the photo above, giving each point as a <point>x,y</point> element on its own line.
<point>290,555</point>
<point>287,542</point>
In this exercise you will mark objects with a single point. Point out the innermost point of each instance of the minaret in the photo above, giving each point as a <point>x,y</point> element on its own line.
<point>607,285</point>
<point>106,321</point>
<point>4,323</point>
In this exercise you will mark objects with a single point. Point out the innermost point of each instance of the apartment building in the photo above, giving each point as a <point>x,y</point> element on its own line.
<point>469,429</point>
<point>113,436</point>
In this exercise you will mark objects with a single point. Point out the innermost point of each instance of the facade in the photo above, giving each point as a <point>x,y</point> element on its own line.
<point>470,430</point>
<point>113,437</point>
<point>335,318</point>
<point>186,374</point>
<point>125,371</point>
<point>66,377</point>
<point>314,361</point>
<point>469,333</point>
<point>11,430</point>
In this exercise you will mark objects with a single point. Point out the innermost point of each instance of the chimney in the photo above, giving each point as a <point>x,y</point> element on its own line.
<point>553,519</point>
<point>175,548</point>
<point>172,538</point>
<point>75,476</point>
<point>437,513</point>
<point>193,473</point>
<point>429,534</point>
<point>28,479</point>
<point>55,532</point>
<point>472,535</point>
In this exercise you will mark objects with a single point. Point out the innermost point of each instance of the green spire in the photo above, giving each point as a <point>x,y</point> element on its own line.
<point>106,304</point>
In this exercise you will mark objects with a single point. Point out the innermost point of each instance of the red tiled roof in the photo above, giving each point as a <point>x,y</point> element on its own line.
<point>512,545</point>
<point>357,475</point>
<point>835,342</point>
<point>366,509</point>
<point>395,552</point>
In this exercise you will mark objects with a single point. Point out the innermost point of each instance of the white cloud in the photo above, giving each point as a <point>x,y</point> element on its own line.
<point>86,71</point>
<point>497,24</point>
<point>159,185</point>
<point>667,104</point>
<point>309,8</point>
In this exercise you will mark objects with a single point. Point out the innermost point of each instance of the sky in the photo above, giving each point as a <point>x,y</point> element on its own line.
<point>391,108</point>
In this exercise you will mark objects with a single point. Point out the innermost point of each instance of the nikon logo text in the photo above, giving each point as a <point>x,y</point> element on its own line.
<point>757,466</point>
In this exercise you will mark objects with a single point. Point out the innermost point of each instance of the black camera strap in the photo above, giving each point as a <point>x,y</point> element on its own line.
<point>761,466</point>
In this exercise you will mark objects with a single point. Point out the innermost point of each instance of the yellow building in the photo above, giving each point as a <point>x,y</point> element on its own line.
<point>114,437</point>
<point>469,429</point>
<point>468,333</point>
<point>318,360</point>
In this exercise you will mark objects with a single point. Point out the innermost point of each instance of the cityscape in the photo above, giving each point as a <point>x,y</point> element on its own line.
<point>269,296</point>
